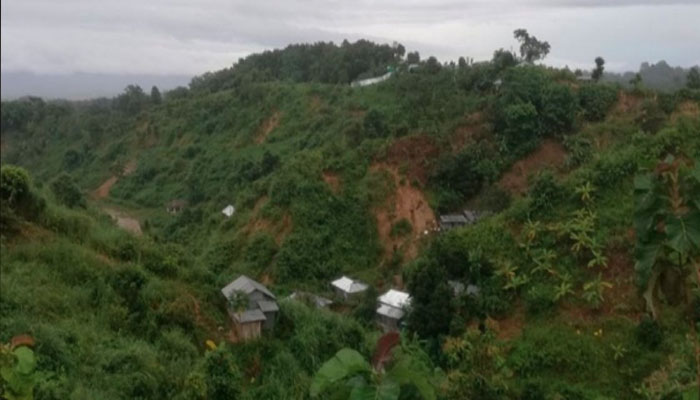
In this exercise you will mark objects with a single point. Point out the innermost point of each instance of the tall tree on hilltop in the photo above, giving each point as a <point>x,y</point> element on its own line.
<point>599,67</point>
<point>155,95</point>
<point>693,78</point>
<point>531,49</point>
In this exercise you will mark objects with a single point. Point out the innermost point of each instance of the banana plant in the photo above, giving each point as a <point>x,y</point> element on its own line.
<point>593,291</point>
<point>564,288</point>
<point>356,379</point>
<point>585,192</point>
<point>17,371</point>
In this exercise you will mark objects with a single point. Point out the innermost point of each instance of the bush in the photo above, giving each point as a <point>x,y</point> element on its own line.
<point>401,228</point>
<point>539,299</point>
<point>494,199</point>
<point>596,101</point>
<point>544,192</point>
<point>649,333</point>
<point>67,192</point>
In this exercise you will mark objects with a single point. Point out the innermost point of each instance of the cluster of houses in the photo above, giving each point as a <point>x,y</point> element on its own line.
<point>253,308</point>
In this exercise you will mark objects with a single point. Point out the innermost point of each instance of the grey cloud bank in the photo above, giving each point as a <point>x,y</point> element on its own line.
<point>176,38</point>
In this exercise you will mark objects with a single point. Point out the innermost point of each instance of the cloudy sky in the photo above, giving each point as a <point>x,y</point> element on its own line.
<point>180,38</point>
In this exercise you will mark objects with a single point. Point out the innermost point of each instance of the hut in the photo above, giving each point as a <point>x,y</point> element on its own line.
<point>175,206</point>
<point>259,310</point>
<point>391,309</point>
<point>347,288</point>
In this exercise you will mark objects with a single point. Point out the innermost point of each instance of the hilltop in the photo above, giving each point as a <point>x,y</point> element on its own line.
<point>328,180</point>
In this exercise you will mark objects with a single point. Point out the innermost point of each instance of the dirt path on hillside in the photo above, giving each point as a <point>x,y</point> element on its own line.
<point>102,192</point>
<point>124,221</point>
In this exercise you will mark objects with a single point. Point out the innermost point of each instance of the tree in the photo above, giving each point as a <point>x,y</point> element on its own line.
<point>636,82</point>
<point>67,192</point>
<point>503,59</point>
<point>599,67</point>
<point>693,78</point>
<point>155,95</point>
<point>431,301</point>
<point>462,63</point>
<point>413,57</point>
<point>432,65</point>
<point>531,49</point>
<point>390,371</point>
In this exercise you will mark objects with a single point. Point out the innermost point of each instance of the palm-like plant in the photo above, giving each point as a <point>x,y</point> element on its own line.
<point>238,301</point>
<point>381,380</point>
<point>585,192</point>
<point>593,291</point>
<point>564,288</point>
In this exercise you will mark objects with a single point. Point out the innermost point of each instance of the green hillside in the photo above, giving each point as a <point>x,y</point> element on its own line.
<point>588,193</point>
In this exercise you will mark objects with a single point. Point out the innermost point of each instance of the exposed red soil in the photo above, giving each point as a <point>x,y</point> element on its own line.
<point>627,102</point>
<point>406,202</point>
<point>471,130</point>
<point>268,126</point>
<point>412,155</point>
<point>510,327</point>
<point>332,180</point>
<point>550,154</point>
<point>279,229</point>
<point>686,109</point>
<point>102,192</point>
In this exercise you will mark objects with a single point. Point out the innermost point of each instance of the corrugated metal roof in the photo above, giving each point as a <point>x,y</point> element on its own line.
<point>268,306</point>
<point>391,312</point>
<point>249,316</point>
<point>453,218</point>
<point>395,298</point>
<point>245,285</point>
<point>348,285</point>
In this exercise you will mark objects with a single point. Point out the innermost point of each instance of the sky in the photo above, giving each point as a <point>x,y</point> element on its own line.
<point>172,40</point>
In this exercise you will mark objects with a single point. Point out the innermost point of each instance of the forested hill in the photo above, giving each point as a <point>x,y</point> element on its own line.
<point>115,247</point>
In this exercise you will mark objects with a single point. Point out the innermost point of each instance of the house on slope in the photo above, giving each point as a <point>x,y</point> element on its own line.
<point>228,210</point>
<point>450,221</point>
<point>175,206</point>
<point>347,288</point>
<point>467,217</point>
<point>391,309</point>
<point>251,306</point>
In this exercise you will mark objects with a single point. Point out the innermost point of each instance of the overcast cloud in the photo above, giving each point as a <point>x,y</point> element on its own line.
<point>179,37</point>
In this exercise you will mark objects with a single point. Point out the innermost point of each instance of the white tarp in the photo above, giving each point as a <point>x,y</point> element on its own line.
<point>229,210</point>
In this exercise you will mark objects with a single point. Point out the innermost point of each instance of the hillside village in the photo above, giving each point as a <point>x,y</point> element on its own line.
<point>328,219</point>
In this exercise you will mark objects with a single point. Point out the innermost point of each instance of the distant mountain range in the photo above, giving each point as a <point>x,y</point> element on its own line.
<point>81,85</point>
<point>660,76</point>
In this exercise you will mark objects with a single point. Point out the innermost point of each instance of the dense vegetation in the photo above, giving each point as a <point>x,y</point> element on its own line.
<point>327,180</point>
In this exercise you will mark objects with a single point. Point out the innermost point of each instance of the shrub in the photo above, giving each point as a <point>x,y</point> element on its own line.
<point>67,192</point>
<point>544,192</point>
<point>494,199</point>
<point>539,299</point>
<point>596,101</point>
<point>401,228</point>
<point>649,333</point>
